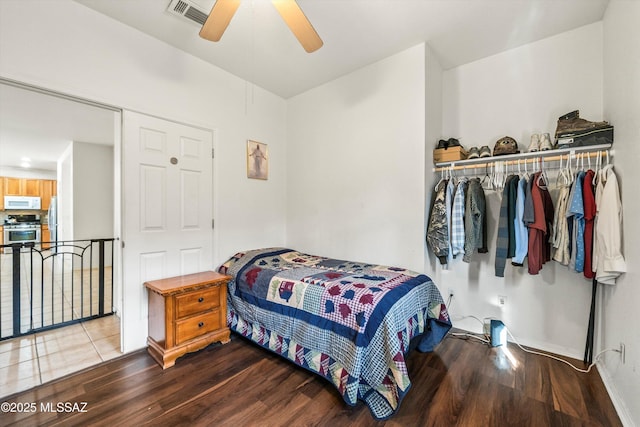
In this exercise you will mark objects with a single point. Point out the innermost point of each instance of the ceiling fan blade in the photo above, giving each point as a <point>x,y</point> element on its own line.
<point>298,24</point>
<point>218,20</point>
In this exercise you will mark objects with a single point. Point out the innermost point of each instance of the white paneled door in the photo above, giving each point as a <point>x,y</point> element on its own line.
<point>167,227</point>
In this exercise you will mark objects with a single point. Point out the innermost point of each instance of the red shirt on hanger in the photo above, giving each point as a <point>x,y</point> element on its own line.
<point>589,200</point>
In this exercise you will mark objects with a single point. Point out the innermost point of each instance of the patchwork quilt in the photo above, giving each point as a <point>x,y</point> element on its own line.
<point>349,322</point>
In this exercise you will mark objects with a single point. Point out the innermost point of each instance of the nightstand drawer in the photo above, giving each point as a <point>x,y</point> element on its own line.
<point>196,326</point>
<point>197,302</point>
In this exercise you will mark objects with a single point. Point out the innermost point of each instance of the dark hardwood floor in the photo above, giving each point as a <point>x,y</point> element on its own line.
<point>463,383</point>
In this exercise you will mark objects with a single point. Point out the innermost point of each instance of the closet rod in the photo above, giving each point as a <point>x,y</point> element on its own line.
<point>530,159</point>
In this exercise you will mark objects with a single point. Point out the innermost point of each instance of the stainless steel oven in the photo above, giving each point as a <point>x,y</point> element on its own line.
<point>21,229</point>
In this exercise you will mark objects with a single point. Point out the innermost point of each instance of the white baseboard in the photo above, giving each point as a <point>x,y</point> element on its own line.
<point>618,403</point>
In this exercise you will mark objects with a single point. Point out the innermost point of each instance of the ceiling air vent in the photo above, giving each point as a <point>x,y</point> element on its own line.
<point>189,10</point>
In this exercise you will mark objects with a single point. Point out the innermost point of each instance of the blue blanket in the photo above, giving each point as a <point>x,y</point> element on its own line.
<point>346,321</point>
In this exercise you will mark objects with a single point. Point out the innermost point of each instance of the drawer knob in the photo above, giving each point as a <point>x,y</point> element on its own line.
<point>200,299</point>
<point>200,325</point>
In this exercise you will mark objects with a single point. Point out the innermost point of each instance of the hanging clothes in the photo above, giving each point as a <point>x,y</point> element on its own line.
<point>505,243</point>
<point>457,218</point>
<point>448,200</point>
<point>539,246</point>
<point>576,209</point>
<point>475,220</point>
<point>560,238</point>
<point>438,231</point>
<point>528,217</point>
<point>608,259</point>
<point>512,186</point>
<point>521,233</point>
<point>589,200</point>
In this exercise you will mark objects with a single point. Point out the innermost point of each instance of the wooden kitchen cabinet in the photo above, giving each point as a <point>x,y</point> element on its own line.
<point>32,187</point>
<point>48,189</point>
<point>22,186</point>
<point>43,188</point>
<point>12,186</point>
<point>45,236</point>
<point>186,313</point>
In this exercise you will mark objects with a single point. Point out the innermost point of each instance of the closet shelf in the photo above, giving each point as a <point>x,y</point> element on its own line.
<point>549,155</point>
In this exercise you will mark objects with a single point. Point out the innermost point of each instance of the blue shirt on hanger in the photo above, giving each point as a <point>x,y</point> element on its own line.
<point>576,208</point>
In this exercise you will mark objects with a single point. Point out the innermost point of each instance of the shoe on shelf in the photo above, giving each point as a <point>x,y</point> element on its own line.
<point>451,142</point>
<point>545,142</point>
<point>485,151</point>
<point>474,153</point>
<point>573,131</point>
<point>535,143</point>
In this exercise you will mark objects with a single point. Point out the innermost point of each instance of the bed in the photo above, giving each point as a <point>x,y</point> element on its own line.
<point>351,323</point>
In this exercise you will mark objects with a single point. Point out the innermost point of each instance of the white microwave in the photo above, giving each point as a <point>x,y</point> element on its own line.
<point>21,202</point>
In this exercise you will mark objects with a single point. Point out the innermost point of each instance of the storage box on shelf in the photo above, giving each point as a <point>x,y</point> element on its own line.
<point>449,154</point>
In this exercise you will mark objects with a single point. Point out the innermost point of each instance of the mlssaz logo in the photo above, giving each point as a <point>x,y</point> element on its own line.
<point>66,407</point>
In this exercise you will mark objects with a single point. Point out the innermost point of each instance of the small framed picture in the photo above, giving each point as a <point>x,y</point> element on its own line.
<point>257,160</point>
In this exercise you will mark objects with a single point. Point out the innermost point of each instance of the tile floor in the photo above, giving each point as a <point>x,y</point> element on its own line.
<point>53,289</point>
<point>29,361</point>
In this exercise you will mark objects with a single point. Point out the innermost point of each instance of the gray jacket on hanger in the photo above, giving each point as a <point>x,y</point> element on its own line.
<point>475,220</point>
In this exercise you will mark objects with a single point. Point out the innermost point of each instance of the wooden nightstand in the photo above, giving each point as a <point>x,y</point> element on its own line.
<point>186,313</point>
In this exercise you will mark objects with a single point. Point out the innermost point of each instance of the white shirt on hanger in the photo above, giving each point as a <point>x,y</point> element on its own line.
<point>608,261</point>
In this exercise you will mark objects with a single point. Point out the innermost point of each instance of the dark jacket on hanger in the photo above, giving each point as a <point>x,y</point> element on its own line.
<point>506,241</point>
<point>475,220</point>
<point>438,229</point>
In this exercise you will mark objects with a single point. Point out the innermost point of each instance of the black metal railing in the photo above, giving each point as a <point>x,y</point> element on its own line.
<point>54,284</point>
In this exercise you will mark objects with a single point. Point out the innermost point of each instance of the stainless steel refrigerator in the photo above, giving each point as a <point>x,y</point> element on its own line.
<point>53,222</point>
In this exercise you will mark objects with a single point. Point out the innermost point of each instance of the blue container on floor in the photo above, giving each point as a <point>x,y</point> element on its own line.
<point>498,333</point>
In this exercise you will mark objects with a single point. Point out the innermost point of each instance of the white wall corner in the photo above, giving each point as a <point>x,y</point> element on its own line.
<point>433,132</point>
<point>616,399</point>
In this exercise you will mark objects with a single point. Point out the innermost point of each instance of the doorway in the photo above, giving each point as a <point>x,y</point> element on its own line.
<point>74,143</point>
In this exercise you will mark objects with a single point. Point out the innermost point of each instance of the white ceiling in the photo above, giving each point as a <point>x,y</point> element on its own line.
<point>40,127</point>
<point>258,47</point>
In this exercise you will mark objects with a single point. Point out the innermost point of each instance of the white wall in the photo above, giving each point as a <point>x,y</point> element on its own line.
<point>92,191</point>
<point>516,93</point>
<point>620,317</point>
<point>85,198</point>
<point>65,194</point>
<point>433,132</point>
<point>356,164</point>
<point>64,46</point>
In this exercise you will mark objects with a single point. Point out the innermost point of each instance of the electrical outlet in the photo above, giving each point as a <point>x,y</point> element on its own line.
<point>622,352</point>
<point>502,300</point>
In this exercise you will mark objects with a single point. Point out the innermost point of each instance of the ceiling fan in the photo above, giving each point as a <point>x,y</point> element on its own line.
<point>223,10</point>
